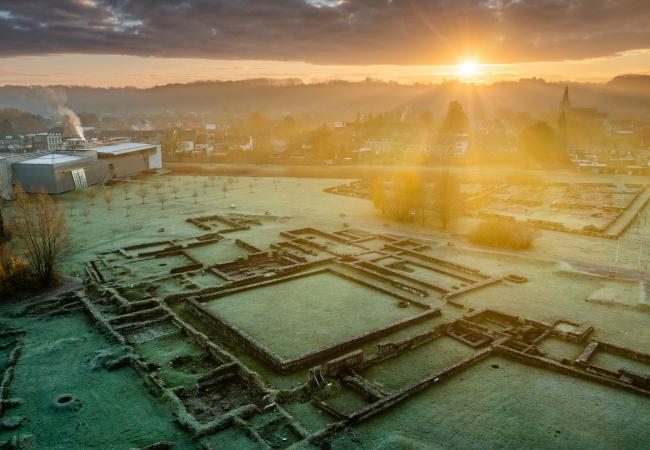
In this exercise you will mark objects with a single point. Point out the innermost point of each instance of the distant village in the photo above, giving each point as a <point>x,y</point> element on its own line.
<point>86,149</point>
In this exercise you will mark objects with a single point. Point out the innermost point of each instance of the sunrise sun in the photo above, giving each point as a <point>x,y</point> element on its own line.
<point>468,68</point>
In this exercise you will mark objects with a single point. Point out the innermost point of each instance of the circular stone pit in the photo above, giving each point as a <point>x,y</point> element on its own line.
<point>66,402</point>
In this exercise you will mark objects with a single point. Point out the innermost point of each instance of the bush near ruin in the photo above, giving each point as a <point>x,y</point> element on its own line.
<point>495,233</point>
<point>14,273</point>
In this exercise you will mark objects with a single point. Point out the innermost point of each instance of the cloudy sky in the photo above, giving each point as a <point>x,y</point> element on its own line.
<point>148,42</point>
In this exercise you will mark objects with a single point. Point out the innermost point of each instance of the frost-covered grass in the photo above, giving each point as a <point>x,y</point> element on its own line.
<point>510,406</point>
<point>300,315</point>
<point>421,362</point>
<point>115,410</point>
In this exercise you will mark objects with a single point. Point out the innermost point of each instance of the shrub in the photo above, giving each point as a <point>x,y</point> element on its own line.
<point>41,233</point>
<point>14,273</point>
<point>495,233</point>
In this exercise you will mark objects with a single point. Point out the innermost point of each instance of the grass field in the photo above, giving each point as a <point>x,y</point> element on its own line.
<point>303,202</point>
<point>217,253</point>
<point>559,349</point>
<point>614,362</point>
<point>424,360</point>
<point>297,316</point>
<point>114,411</point>
<point>511,406</point>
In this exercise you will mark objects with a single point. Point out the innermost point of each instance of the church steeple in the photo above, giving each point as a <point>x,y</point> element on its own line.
<point>561,124</point>
<point>565,104</point>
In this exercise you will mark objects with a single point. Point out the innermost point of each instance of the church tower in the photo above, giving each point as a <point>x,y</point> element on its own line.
<point>565,104</point>
<point>561,123</point>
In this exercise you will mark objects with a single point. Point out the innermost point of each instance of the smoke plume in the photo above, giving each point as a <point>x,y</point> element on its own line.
<point>58,98</point>
<point>73,119</point>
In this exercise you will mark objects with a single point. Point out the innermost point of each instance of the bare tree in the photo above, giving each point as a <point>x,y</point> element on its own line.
<point>43,238</point>
<point>224,189</point>
<point>126,188</point>
<point>142,192</point>
<point>195,195</point>
<point>108,199</point>
<point>161,199</point>
<point>91,194</point>
<point>158,185</point>
<point>175,189</point>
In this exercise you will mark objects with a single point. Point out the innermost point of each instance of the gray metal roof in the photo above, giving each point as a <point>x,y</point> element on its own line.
<point>52,159</point>
<point>119,149</point>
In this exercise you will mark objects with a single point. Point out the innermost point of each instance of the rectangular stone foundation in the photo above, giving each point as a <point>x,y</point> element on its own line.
<point>230,331</point>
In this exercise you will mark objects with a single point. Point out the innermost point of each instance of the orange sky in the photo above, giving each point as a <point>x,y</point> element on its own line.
<point>115,70</point>
<point>86,42</point>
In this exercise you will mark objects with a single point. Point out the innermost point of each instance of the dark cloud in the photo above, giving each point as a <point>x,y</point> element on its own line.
<point>327,31</point>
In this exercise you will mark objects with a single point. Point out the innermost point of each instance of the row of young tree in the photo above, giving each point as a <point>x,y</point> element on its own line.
<point>162,192</point>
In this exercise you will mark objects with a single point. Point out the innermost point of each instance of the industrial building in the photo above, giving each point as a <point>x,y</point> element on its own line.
<point>129,158</point>
<point>63,171</point>
<point>57,173</point>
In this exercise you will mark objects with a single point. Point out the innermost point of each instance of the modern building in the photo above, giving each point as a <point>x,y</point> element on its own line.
<point>56,173</point>
<point>129,158</point>
<point>62,171</point>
